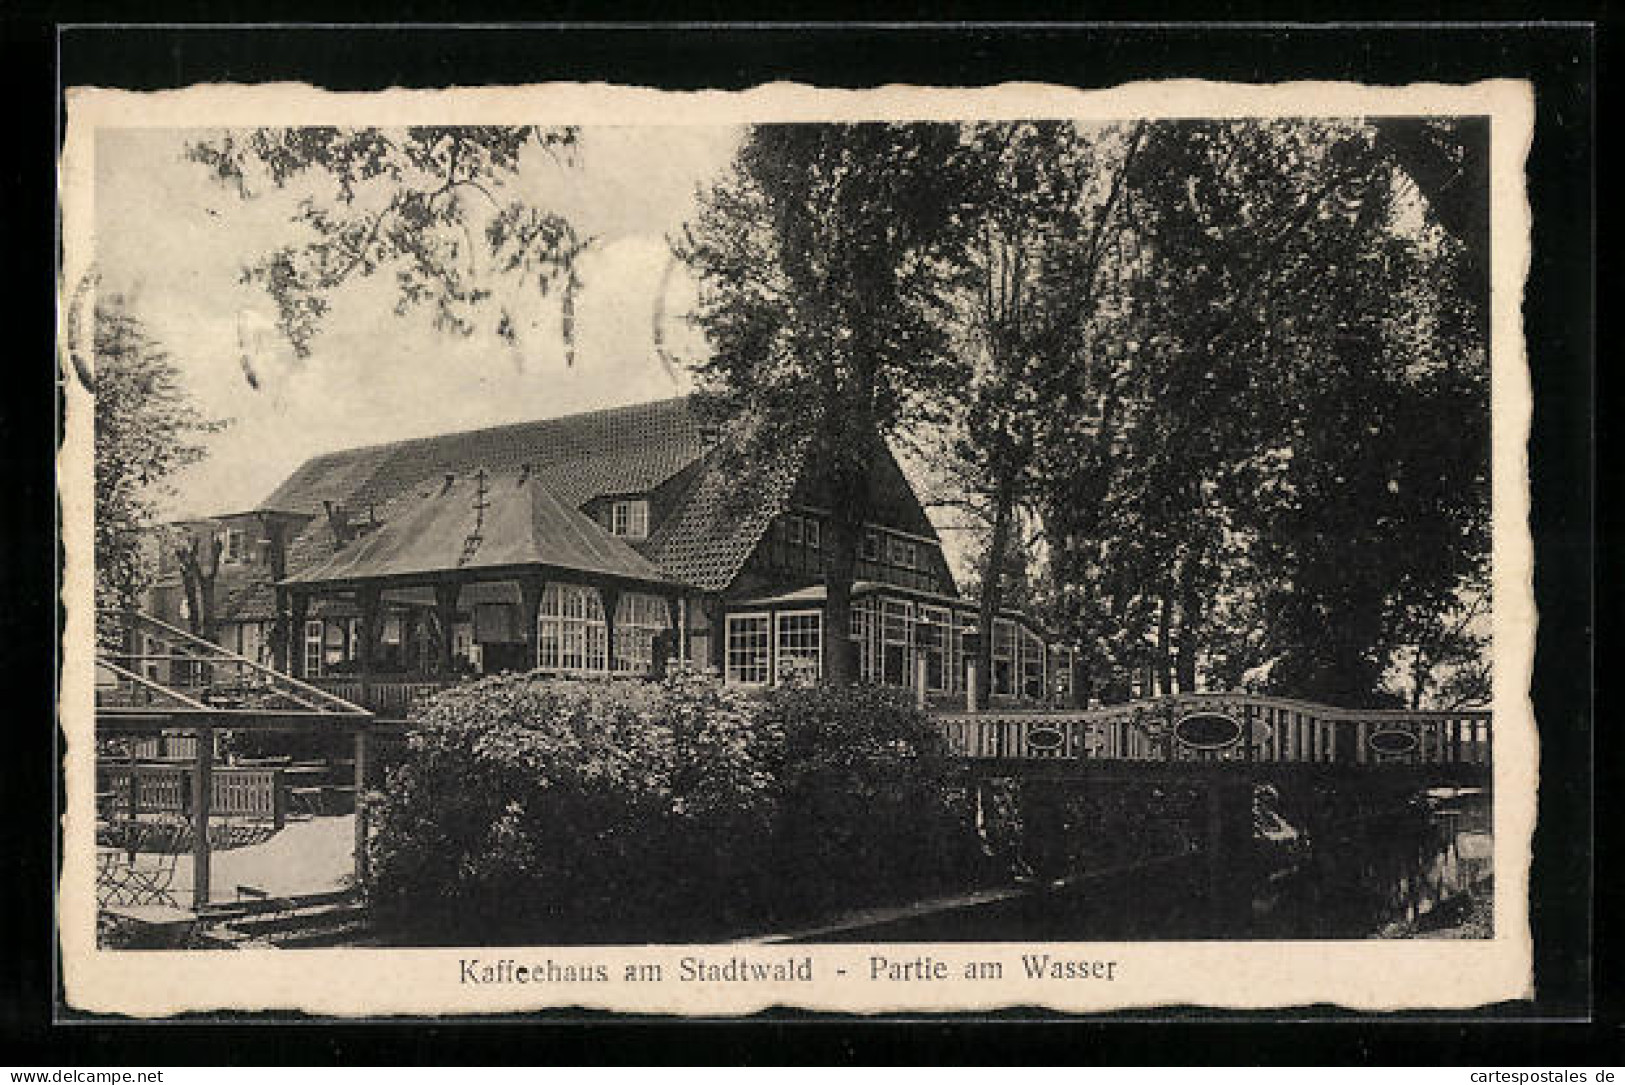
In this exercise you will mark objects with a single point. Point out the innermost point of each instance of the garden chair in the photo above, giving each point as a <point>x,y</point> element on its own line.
<point>150,873</point>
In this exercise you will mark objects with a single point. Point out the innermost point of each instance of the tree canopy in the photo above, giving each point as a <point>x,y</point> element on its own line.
<point>1289,482</point>
<point>432,207</point>
<point>146,431</point>
<point>1236,371</point>
<point>824,261</point>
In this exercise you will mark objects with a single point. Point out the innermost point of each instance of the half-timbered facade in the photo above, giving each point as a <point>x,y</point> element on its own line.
<point>600,544</point>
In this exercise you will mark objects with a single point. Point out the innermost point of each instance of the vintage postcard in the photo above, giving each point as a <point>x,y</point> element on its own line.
<point>912,549</point>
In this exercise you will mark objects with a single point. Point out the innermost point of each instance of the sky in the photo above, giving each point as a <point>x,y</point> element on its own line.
<point>173,242</point>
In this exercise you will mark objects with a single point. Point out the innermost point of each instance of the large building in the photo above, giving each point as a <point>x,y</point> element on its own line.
<point>571,545</point>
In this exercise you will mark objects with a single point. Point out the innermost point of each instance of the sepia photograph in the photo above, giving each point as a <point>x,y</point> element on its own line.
<point>741,531</point>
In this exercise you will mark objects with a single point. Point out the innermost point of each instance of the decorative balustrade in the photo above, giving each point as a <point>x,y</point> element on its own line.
<point>1225,728</point>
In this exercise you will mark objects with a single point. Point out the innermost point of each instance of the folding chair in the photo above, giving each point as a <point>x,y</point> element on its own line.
<point>151,873</point>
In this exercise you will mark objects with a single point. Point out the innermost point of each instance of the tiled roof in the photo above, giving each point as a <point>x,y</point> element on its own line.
<point>720,521</point>
<point>620,450</point>
<point>523,523</point>
<point>712,532</point>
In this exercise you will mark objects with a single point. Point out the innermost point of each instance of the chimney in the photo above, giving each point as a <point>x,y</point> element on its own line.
<point>339,522</point>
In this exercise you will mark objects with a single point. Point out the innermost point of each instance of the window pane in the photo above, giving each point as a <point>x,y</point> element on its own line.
<point>800,640</point>
<point>748,648</point>
<point>638,618</point>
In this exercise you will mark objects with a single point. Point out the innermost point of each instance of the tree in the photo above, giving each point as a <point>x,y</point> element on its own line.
<point>1045,209</point>
<point>1267,483</point>
<point>146,431</point>
<point>406,202</point>
<point>823,265</point>
<point>198,555</point>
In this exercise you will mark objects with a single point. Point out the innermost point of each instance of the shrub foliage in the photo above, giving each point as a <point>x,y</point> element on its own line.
<point>540,810</point>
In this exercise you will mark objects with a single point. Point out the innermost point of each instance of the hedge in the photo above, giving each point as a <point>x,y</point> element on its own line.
<point>540,810</point>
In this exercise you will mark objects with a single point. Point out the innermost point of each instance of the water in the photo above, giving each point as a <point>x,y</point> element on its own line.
<point>1354,880</point>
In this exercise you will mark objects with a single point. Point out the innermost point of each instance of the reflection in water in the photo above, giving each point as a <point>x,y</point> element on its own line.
<point>1350,879</point>
<point>1398,868</point>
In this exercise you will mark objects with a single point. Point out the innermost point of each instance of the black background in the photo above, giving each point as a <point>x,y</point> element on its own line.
<point>1559,58</point>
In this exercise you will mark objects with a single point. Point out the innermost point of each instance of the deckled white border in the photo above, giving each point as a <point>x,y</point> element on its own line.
<point>1366,975</point>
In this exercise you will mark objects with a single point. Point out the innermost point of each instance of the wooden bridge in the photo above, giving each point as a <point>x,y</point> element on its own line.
<point>1240,732</point>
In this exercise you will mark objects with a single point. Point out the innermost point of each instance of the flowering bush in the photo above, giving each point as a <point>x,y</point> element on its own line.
<point>566,810</point>
<point>533,809</point>
<point>868,808</point>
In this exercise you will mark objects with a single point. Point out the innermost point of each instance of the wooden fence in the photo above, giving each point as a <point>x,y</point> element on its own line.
<point>1225,728</point>
<point>389,700</point>
<point>257,794</point>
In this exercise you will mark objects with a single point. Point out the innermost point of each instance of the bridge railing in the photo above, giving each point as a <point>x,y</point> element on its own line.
<point>1222,727</point>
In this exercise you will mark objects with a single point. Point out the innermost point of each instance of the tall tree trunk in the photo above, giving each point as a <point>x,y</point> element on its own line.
<point>200,564</point>
<point>1190,610</point>
<point>1185,666</point>
<point>1004,500</point>
<point>1419,677</point>
<point>849,503</point>
<point>1164,662</point>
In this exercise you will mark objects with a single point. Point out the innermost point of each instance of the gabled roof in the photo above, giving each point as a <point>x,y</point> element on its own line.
<point>719,523</point>
<point>716,523</point>
<point>523,524</point>
<point>616,451</point>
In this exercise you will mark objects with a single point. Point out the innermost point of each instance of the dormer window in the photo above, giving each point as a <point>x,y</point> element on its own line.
<point>629,519</point>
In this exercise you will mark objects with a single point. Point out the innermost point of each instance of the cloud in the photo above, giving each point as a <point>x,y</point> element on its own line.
<point>177,242</point>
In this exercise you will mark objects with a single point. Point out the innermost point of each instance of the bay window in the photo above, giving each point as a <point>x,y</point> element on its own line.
<point>638,620</point>
<point>570,631</point>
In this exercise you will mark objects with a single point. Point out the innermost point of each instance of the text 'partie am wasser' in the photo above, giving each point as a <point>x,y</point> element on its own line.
<point>805,968</point>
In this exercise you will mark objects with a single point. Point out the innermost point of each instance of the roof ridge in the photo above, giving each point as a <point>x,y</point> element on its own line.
<point>524,423</point>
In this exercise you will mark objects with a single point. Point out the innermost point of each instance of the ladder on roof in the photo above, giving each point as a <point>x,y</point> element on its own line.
<point>471,544</point>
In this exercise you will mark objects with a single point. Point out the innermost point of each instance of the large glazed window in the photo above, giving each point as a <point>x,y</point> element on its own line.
<point>863,630</point>
<point>570,631</point>
<point>799,641</point>
<point>897,642</point>
<point>314,632</point>
<point>749,649</point>
<point>638,620</point>
<point>1004,657</point>
<point>1032,664</point>
<point>932,636</point>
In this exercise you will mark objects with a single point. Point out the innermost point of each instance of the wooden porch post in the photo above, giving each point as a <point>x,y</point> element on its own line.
<point>719,635</point>
<point>531,587</point>
<point>369,599</point>
<point>676,613</point>
<point>279,632</point>
<point>445,606</point>
<point>298,608</point>
<point>202,794</point>
<point>611,596</point>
